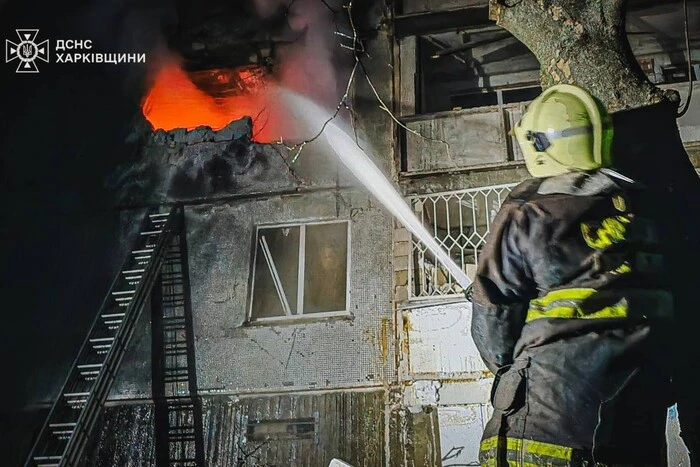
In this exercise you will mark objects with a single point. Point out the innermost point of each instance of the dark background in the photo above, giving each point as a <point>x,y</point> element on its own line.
<point>62,133</point>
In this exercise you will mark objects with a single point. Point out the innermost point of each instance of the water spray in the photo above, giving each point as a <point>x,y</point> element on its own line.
<point>362,167</point>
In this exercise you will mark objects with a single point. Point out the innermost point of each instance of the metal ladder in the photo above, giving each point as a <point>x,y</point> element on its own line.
<point>67,429</point>
<point>178,410</point>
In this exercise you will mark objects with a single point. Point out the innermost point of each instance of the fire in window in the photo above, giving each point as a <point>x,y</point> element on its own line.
<point>300,270</point>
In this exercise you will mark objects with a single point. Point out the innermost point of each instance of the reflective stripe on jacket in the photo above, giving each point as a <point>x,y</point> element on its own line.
<point>571,312</point>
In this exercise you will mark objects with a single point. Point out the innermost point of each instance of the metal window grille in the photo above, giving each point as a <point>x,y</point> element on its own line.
<point>459,221</point>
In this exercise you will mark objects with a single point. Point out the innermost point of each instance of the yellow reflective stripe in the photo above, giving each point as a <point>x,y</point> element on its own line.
<point>612,230</point>
<point>565,303</point>
<point>522,446</point>
<point>549,450</point>
<point>616,311</point>
<point>563,294</point>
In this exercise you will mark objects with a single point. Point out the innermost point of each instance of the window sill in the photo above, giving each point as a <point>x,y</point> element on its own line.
<point>303,319</point>
<point>422,117</point>
<point>461,170</point>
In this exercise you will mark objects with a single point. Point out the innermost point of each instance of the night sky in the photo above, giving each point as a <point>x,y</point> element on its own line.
<point>62,134</point>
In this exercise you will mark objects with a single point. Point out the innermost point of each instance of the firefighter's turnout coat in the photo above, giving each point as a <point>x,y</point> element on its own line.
<point>572,313</point>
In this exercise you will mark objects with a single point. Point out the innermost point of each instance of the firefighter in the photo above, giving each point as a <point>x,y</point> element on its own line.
<point>572,309</point>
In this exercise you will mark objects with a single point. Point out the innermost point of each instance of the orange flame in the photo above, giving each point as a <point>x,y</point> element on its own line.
<point>175,101</point>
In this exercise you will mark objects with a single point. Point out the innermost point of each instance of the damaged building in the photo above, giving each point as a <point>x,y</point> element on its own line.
<point>289,319</point>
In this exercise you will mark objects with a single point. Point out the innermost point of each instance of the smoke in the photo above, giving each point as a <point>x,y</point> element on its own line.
<point>309,64</point>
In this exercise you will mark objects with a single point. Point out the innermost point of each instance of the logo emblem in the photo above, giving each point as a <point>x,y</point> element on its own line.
<point>27,51</point>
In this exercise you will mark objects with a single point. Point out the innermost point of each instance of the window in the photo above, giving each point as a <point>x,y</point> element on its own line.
<point>460,222</point>
<point>465,88</point>
<point>656,33</point>
<point>280,430</point>
<point>464,69</point>
<point>300,271</point>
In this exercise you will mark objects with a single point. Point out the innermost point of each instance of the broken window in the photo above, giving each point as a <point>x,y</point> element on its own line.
<point>300,270</point>
<point>464,69</point>
<point>280,430</point>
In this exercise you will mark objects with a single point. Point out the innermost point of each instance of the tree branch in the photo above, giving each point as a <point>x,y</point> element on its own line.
<point>581,42</point>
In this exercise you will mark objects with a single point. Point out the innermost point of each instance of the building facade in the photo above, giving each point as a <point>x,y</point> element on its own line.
<point>321,328</point>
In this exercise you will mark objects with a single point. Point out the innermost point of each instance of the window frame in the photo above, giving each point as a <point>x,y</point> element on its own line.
<point>301,268</point>
<point>417,98</point>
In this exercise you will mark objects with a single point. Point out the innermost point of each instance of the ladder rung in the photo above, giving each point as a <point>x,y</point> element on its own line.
<point>47,458</point>
<point>183,405</point>
<point>113,315</point>
<point>159,214</point>
<point>59,425</point>
<point>123,292</point>
<point>133,271</point>
<point>76,394</point>
<point>90,365</point>
<point>178,379</point>
<point>152,232</point>
<point>102,339</point>
<point>139,252</point>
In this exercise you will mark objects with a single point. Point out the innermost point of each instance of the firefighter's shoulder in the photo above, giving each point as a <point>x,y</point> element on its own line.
<point>523,192</point>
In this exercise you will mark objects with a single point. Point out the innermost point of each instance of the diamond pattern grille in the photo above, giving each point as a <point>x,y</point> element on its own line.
<point>459,221</point>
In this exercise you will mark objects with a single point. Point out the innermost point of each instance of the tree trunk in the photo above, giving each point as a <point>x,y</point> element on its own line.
<point>581,42</point>
<point>584,42</point>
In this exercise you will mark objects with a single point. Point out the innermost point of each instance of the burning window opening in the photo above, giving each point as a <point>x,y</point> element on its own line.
<point>214,98</point>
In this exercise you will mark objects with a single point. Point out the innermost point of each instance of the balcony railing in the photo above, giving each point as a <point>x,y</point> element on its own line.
<point>460,222</point>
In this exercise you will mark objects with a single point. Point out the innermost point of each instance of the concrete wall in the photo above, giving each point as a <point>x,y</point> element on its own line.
<point>322,353</point>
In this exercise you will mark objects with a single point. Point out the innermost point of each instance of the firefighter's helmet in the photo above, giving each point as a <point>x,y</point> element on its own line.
<point>564,129</point>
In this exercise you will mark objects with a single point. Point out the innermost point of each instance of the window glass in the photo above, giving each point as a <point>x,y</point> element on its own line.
<point>300,270</point>
<point>325,278</point>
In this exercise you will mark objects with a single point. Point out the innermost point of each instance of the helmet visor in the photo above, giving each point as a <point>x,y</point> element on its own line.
<point>542,140</point>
